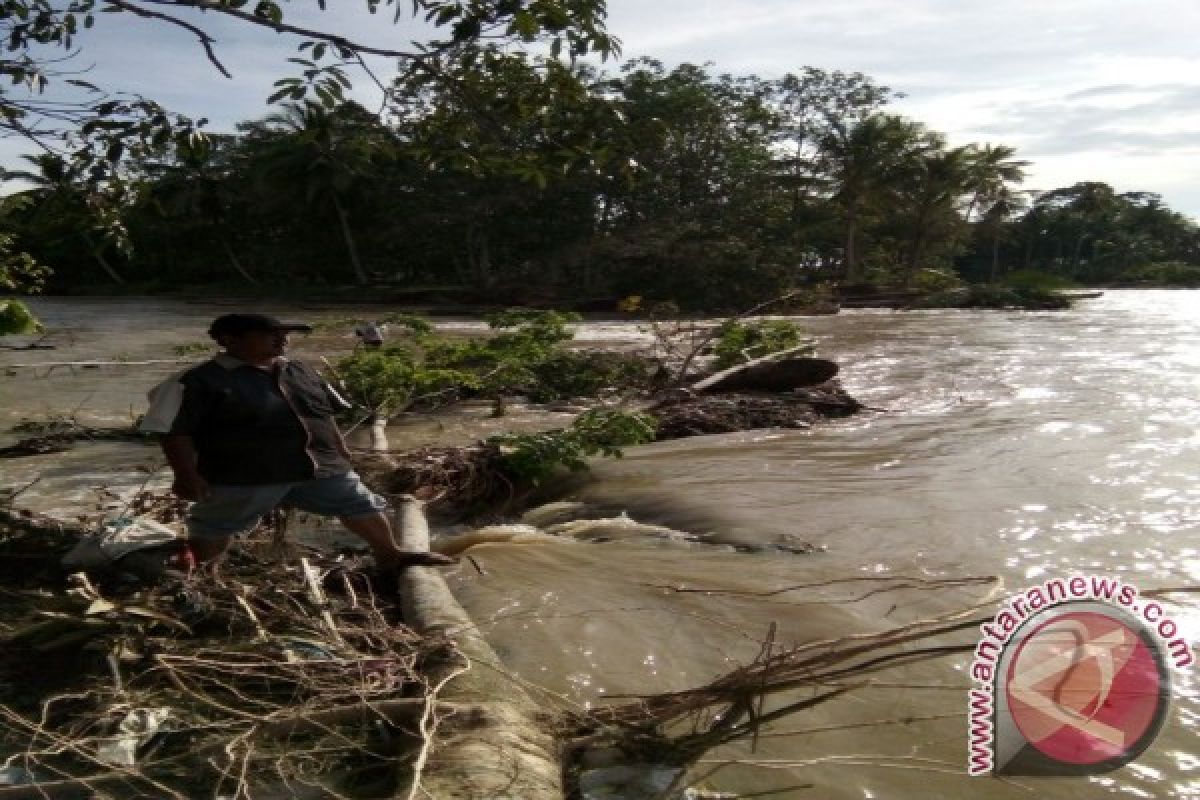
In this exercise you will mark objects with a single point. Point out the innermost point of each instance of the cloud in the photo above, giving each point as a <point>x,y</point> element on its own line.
<point>1134,120</point>
<point>1078,85</point>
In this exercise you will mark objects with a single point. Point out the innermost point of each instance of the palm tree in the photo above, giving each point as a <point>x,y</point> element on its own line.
<point>996,221</point>
<point>196,187</point>
<point>862,162</point>
<point>320,155</point>
<point>993,169</point>
<point>60,201</point>
<point>933,186</point>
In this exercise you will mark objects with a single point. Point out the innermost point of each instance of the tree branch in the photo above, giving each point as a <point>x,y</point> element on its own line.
<point>206,41</point>
<point>278,27</point>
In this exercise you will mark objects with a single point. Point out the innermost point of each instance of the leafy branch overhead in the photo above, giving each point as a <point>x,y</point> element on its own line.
<point>40,95</point>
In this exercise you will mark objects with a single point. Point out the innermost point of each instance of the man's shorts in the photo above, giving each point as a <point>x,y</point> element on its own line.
<point>230,510</point>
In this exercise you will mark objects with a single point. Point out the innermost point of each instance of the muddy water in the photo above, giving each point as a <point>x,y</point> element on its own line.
<point>1021,445</point>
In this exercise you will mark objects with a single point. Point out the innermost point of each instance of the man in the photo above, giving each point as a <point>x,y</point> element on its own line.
<point>251,429</point>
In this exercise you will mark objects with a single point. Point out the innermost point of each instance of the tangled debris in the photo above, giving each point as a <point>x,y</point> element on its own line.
<point>287,677</point>
<point>686,414</point>
<point>264,677</point>
<point>60,433</point>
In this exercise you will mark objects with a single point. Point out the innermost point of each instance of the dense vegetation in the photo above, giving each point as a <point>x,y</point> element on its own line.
<point>492,173</point>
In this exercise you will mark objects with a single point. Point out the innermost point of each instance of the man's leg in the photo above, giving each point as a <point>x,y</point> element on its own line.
<point>227,511</point>
<point>362,512</point>
<point>376,531</point>
<point>207,548</point>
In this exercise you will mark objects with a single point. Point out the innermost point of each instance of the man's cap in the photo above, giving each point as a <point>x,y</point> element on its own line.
<point>237,324</point>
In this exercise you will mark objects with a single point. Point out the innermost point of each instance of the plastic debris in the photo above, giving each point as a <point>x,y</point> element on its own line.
<point>117,538</point>
<point>12,775</point>
<point>135,730</point>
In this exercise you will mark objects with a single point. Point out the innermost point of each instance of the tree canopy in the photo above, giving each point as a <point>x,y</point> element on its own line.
<point>526,174</point>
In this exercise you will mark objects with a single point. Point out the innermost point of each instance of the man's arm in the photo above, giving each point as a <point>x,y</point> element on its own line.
<point>181,456</point>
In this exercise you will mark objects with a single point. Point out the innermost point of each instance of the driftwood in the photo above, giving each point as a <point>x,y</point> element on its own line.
<point>98,364</point>
<point>498,743</point>
<point>778,372</point>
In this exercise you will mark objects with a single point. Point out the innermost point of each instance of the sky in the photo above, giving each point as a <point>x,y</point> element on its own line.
<point>1104,90</point>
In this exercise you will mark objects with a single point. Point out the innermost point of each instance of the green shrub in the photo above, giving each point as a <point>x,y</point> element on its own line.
<point>936,280</point>
<point>574,373</point>
<point>1032,279</point>
<point>1166,273</point>
<point>391,379</point>
<point>995,297</point>
<point>525,357</point>
<point>738,342</point>
<point>16,318</point>
<point>533,457</point>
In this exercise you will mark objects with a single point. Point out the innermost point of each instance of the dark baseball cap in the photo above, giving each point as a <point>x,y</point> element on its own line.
<point>237,324</point>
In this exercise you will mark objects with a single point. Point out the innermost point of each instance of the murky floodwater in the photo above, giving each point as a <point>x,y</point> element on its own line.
<point>1023,445</point>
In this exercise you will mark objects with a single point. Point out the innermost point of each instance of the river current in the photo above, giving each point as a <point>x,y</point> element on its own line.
<point>1026,446</point>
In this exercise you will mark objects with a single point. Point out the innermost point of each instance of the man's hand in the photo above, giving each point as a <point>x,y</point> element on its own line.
<point>191,487</point>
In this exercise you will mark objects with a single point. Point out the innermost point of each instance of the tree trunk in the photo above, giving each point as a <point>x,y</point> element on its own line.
<point>483,258</point>
<point>98,254</point>
<point>914,255</point>
<point>995,258</point>
<point>850,258</point>
<point>1077,252</point>
<point>501,743</point>
<point>233,259</point>
<point>344,220</point>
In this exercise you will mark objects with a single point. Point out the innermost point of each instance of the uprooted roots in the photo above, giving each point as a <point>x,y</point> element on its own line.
<point>267,678</point>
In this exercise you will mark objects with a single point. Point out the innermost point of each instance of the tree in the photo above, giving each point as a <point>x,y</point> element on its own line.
<point>194,191</point>
<point>517,142</point>
<point>992,171</point>
<point>308,151</point>
<point>996,223</point>
<point>862,160</point>
<point>97,133</point>
<point>61,210</point>
<point>930,189</point>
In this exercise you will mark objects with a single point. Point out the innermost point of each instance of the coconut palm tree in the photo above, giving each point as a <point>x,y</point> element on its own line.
<point>993,169</point>
<point>996,222</point>
<point>319,155</point>
<point>196,188</point>
<point>862,162</point>
<point>60,203</point>
<point>930,191</point>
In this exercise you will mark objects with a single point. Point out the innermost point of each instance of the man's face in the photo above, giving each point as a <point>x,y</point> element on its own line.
<point>257,345</point>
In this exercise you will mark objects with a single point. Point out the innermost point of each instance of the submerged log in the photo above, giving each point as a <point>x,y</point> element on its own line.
<point>498,743</point>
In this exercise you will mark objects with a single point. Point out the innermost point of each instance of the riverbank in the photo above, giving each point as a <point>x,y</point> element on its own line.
<point>1031,291</point>
<point>217,684</point>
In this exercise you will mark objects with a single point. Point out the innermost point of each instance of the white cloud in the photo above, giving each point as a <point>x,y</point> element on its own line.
<point>1089,89</point>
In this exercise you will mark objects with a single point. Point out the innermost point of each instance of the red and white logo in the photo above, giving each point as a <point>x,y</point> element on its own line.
<point>1081,689</point>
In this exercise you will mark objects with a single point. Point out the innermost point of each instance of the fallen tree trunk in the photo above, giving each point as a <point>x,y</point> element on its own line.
<point>777,372</point>
<point>497,743</point>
